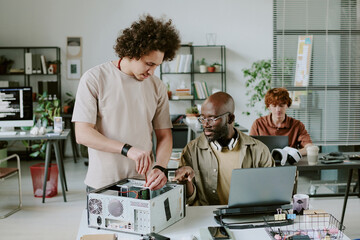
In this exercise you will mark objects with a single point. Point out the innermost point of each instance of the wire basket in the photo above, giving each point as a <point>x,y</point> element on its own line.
<point>315,226</point>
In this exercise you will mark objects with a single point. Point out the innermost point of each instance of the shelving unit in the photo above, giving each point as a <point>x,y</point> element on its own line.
<point>17,54</point>
<point>212,53</point>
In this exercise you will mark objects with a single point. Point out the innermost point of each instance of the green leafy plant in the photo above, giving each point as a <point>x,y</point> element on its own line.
<point>192,110</point>
<point>258,82</point>
<point>201,62</point>
<point>45,112</point>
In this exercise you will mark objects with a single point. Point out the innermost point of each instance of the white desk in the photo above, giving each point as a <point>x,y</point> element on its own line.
<point>196,218</point>
<point>51,141</point>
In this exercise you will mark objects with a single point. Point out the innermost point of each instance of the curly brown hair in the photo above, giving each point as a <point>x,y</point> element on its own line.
<point>147,35</point>
<point>277,96</point>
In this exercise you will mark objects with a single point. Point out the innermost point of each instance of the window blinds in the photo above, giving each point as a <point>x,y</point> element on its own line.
<point>329,103</point>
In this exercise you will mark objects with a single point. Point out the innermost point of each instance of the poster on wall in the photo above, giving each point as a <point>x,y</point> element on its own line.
<point>303,61</point>
<point>74,56</point>
<point>73,68</point>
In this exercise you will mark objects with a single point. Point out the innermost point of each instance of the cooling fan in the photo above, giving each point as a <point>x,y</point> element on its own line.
<point>115,208</point>
<point>95,206</point>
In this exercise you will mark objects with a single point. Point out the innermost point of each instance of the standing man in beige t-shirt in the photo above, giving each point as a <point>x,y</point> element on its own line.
<point>120,103</point>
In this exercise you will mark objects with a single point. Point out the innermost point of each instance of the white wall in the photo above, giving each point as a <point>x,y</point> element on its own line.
<point>244,27</point>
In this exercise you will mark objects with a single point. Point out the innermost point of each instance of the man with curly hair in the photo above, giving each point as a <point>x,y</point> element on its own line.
<point>277,100</point>
<point>119,104</point>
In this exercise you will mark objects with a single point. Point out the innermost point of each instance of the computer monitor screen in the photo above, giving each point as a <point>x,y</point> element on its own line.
<point>16,107</point>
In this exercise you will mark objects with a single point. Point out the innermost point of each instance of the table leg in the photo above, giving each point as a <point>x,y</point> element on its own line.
<point>61,168</point>
<point>358,183</point>
<point>73,141</point>
<point>56,146</point>
<point>346,197</point>
<point>47,163</point>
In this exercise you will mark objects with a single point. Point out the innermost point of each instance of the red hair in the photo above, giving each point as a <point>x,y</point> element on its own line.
<point>277,96</point>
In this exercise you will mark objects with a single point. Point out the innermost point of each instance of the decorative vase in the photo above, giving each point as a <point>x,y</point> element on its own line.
<point>211,69</point>
<point>202,68</point>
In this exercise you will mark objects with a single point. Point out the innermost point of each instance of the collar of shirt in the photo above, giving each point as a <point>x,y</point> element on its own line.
<point>285,124</point>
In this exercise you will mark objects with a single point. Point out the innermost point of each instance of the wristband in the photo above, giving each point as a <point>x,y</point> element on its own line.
<point>164,170</point>
<point>125,149</point>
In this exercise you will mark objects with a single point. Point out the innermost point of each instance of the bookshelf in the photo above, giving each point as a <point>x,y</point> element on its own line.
<point>184,72</point>
<point>30,67</point>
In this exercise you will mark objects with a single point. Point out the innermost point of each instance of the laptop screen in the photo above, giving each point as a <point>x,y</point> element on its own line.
<point>273,141</point>
<point>251,187</point>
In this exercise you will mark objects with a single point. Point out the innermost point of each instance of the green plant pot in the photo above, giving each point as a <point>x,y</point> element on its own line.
<point>3,154</point>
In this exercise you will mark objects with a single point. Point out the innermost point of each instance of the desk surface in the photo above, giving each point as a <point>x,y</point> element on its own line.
<point>197,218</point>
<point>303,165</point>
<point>28,136</point>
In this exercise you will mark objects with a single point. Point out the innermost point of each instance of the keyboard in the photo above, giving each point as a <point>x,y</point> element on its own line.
<point>7,133</point>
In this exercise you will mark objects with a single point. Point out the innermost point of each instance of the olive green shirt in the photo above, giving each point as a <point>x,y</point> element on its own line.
<point>199,156</point>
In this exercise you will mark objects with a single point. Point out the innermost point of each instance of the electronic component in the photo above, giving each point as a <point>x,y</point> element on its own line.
<point>128,206</point>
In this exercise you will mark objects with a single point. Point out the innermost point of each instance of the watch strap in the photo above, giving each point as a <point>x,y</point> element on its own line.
<point>125,149</point>
<point>164,170</point>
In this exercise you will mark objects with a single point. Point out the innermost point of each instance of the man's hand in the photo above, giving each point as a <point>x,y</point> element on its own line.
<point>156,179</point>
<point>142,159</point>
<point>184,173</point>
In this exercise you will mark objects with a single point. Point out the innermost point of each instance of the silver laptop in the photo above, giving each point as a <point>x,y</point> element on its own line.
<point>260,187</point>
<point>273,141</point>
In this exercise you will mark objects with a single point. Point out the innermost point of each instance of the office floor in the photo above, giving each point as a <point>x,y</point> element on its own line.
<point>56,219</point>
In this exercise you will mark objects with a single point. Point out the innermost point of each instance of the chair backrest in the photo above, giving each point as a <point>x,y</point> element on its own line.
<point>7,172</point>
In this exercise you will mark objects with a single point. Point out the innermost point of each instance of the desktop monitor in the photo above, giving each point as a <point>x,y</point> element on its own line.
<point>16,107</point>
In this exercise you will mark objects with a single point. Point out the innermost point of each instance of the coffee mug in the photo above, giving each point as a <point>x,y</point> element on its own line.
<point>312,154</point>
<point>301,202</point>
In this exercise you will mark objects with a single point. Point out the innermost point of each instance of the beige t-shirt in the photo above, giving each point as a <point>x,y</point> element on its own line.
<point>227,160</point>
<point>124,109</point>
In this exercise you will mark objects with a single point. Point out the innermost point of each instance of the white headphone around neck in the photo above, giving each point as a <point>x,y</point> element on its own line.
<point>230,146</point>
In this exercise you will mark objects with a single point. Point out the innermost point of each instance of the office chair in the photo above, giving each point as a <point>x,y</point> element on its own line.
<point>7,173</point>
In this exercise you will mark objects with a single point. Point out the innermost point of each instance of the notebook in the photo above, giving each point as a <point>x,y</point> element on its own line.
<point>273,141</point>
<point>260,187</point>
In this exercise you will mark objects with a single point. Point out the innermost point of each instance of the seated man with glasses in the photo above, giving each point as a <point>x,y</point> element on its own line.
<point>207,161</point>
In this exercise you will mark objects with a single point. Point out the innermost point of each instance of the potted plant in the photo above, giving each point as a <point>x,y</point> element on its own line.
<point>258,83</point>
<point>69,103</point>
<point>192,112</point>
<point>202,65</point>
<point>168,90</point>
<point>44,114</point>
<point>217,67</point>
<point>211,68</point>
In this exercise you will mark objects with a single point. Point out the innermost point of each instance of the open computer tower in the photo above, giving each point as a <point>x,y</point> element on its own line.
<point>127,206</point>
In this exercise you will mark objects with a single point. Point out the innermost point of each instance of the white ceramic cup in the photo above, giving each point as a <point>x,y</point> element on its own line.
<point>312,154</point>
<point>301,202</point>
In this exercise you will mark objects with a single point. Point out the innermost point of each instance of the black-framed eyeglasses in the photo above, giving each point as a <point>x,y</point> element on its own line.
<point>211,120</point>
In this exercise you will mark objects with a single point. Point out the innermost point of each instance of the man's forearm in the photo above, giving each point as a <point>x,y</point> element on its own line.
<point>90,137</point>
<point>164,147</point>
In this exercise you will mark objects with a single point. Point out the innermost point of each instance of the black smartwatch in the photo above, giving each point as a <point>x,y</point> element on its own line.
<point>125,149</point>
<point>164,170</point>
